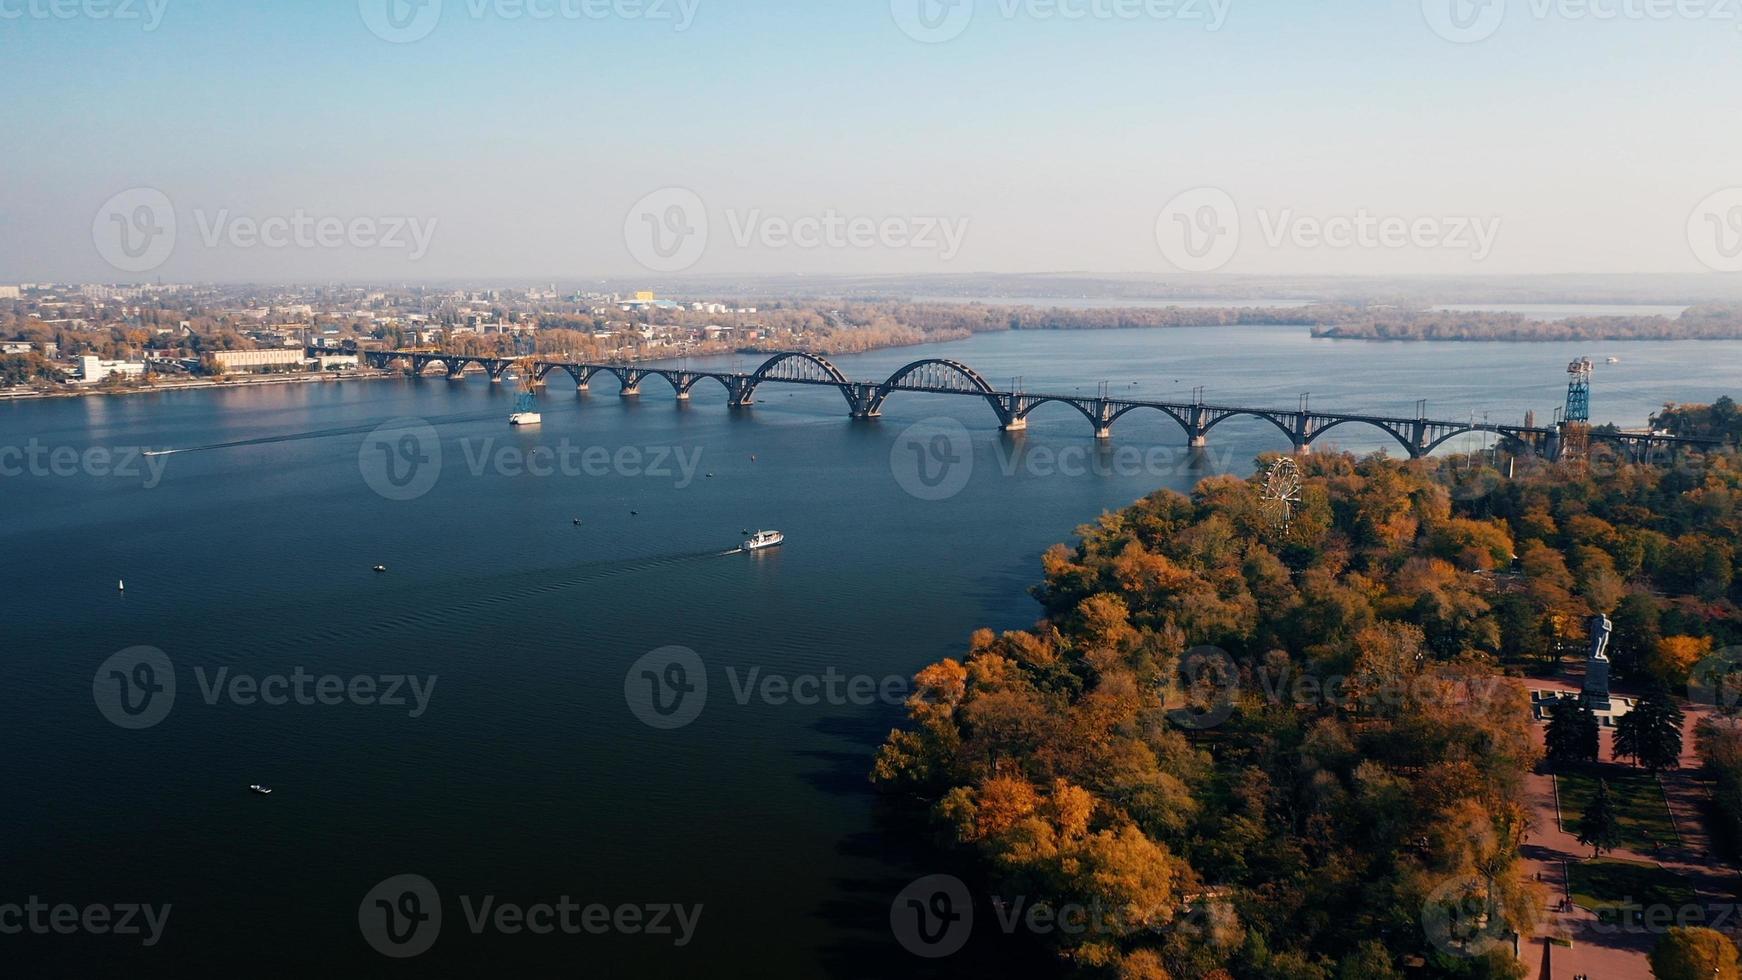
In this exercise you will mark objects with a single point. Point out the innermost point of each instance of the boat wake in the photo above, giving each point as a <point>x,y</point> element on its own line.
<point>316,434</point>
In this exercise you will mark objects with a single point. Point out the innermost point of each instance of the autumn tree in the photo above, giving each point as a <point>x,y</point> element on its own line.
<point>1692,953</point>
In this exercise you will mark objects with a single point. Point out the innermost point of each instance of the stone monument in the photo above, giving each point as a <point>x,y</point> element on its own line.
<point>1597,664</point>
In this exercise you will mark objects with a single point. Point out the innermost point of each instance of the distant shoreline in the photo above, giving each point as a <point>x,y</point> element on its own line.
<point>241,382</point>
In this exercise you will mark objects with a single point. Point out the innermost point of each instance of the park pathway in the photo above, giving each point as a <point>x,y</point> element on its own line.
<point>1602,951</point>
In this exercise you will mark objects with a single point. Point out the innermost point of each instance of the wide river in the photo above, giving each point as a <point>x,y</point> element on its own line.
<point>527,771</point>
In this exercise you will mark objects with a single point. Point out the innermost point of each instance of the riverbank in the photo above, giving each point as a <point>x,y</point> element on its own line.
<point>159,387</point>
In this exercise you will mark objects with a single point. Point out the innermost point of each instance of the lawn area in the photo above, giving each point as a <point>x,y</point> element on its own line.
<point>1638,800</point>
<point>1602,885</point>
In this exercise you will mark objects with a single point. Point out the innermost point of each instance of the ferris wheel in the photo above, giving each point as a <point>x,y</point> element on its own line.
<point>1281,491</point>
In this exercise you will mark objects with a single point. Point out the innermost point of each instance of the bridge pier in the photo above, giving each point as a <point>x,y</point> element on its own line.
<point>864,401</point>
<point>1198,433</point>
<point>1303,433</point>
<point>1103,418</point>
<point>740,393</point>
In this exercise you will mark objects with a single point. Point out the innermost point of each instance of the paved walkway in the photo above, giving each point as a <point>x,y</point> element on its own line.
<point>1608,951</point>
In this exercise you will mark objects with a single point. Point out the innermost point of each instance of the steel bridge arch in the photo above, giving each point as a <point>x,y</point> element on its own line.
<point>544,369</point>
<point>1170,413</point>
<point>1266,416</point>
<point>762,373</point>
<point>957,368</point>
<point>1028,409</point>
<point>1402,440</point>
<point>418,369</point>
<point>1448,437</point>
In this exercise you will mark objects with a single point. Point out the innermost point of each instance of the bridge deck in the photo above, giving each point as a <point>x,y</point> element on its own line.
<point>1419,434</point>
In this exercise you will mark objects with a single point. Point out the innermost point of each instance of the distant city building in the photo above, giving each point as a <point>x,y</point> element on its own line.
<point>330,362</point>
<point>94,369</point>
<point>10,292</point>
<point>15,347</point>
<point>255,360</point>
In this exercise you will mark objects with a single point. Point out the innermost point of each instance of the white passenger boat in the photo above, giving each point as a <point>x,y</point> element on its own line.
<point>762,539</point>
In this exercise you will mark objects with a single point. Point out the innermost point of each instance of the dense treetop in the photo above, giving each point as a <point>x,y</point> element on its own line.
<point>1346,766</point>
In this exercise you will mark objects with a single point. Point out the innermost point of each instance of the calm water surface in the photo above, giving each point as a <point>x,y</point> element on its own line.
<point>528,777</point>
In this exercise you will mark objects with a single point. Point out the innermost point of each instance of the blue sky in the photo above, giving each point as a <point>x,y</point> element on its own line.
<point>1056,143</point>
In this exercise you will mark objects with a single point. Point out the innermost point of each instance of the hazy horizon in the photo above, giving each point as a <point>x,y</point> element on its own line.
<point>473,140</point>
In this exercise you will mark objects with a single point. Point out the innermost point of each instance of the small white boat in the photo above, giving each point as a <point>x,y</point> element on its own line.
<point>525,418</point>
<point>762,539</point>
<point>380,568</point>
<point>262,790</point>
<point>1613,360</point>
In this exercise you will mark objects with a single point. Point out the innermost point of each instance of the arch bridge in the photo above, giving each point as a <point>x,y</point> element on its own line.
<point>1418,435</point>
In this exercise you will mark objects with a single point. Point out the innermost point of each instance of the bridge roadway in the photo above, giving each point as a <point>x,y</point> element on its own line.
<point>1303,426</point>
